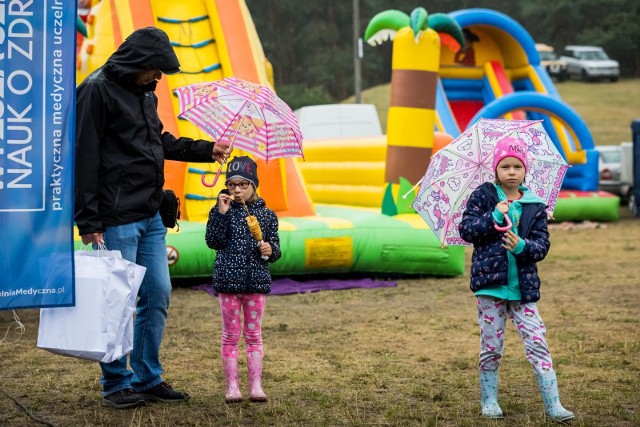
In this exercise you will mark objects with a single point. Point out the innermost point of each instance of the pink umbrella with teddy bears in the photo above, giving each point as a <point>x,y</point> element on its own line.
<point>242,114</point>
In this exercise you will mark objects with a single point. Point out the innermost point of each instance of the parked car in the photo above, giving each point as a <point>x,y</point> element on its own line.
<point>548,59</point>
<point>614,169</point>
<point>590,63</point>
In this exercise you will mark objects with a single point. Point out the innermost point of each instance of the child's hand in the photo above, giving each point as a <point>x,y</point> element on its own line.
<point>503,207</point>
<point>510,240</point>
<point>265,249</point>
<point>224,201</point>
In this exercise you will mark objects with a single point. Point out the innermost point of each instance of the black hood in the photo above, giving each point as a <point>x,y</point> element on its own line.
<point>145,49</point>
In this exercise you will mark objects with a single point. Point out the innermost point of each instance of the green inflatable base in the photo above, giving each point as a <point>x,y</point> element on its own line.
<point>586,206</point>
<point>339,240</point>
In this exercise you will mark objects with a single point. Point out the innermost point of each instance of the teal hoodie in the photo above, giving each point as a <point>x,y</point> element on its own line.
<point>511,291</point>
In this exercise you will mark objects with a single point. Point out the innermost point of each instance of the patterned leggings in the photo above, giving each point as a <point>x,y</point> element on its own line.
<point>492,318</point>
<point>252,305</point>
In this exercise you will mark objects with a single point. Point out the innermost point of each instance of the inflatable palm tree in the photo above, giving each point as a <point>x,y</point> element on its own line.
<point>414,78</point>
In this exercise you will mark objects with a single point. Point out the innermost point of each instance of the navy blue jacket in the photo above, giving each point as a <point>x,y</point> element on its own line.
<point>489,265</point>
<point>239,267</point>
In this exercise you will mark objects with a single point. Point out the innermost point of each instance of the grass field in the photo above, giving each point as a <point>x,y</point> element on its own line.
<point>399,356</point>
<point>607,108</point>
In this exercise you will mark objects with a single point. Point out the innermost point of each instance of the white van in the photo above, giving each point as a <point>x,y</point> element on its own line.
<point>338,121</point>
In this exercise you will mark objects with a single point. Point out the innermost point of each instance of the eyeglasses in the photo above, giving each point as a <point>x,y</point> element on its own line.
<point>243,185</point>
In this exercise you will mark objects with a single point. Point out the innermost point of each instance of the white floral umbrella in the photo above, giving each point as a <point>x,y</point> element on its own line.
<point>467,162</point>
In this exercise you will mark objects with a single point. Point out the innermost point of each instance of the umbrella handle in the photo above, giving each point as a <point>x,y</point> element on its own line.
<point>505,228</point>
<point>203,178</point>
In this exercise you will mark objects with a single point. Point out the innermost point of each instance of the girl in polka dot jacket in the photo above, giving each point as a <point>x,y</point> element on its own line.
<point>504,274</point>
<point>241,273</point>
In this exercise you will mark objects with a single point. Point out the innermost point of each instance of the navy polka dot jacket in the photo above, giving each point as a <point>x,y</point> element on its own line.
<point>239,267</point>
<point>489,263</point>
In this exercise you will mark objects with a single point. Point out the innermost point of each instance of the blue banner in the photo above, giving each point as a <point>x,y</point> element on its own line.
<point>37,128</point>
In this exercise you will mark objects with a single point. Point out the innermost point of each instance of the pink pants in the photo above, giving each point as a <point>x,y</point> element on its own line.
<point>252,306</point>
<point>492,318</point>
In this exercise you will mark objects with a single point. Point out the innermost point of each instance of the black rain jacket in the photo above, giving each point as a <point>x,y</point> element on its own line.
<point>120,144</point>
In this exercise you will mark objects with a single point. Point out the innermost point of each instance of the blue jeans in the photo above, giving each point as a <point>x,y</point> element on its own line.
<point>142,242</point>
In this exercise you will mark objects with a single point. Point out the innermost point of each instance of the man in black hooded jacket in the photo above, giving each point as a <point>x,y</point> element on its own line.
<point>119,175</point>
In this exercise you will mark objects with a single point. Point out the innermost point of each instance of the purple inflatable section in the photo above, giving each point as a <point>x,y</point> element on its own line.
<point>289,286</point>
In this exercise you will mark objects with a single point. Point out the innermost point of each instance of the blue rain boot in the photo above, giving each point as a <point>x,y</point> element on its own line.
<point>548,385</point>
<point>489,394</point>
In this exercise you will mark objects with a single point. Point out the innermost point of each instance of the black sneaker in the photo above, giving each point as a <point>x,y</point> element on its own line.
<point>163,392</point>
<point>123,399</point>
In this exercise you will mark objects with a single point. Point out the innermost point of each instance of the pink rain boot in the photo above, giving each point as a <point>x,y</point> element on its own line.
<point>254,365</point>
<point>231,375</point>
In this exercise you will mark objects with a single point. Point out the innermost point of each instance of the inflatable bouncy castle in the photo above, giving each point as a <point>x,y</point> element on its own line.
<point>215,39</point>
<point>330,205</point>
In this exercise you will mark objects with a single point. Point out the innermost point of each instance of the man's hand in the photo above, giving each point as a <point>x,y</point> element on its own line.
<point>220,152</point>
<point>95,238</point>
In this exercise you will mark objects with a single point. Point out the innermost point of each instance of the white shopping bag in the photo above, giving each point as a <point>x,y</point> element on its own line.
<point>100,326</point>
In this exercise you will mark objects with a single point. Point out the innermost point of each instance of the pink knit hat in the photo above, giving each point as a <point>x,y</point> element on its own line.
<point>510,147</point>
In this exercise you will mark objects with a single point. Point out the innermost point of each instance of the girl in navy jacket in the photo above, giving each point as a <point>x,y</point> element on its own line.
<point>504,274</point>
<point>241,273</point>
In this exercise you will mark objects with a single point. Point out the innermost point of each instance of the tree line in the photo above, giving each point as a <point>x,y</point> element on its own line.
<point>310,43</point>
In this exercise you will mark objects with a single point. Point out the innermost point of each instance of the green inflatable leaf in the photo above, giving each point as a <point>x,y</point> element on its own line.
<point>384,24</point>
<point>388,204</point>
<point>404,205</point>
